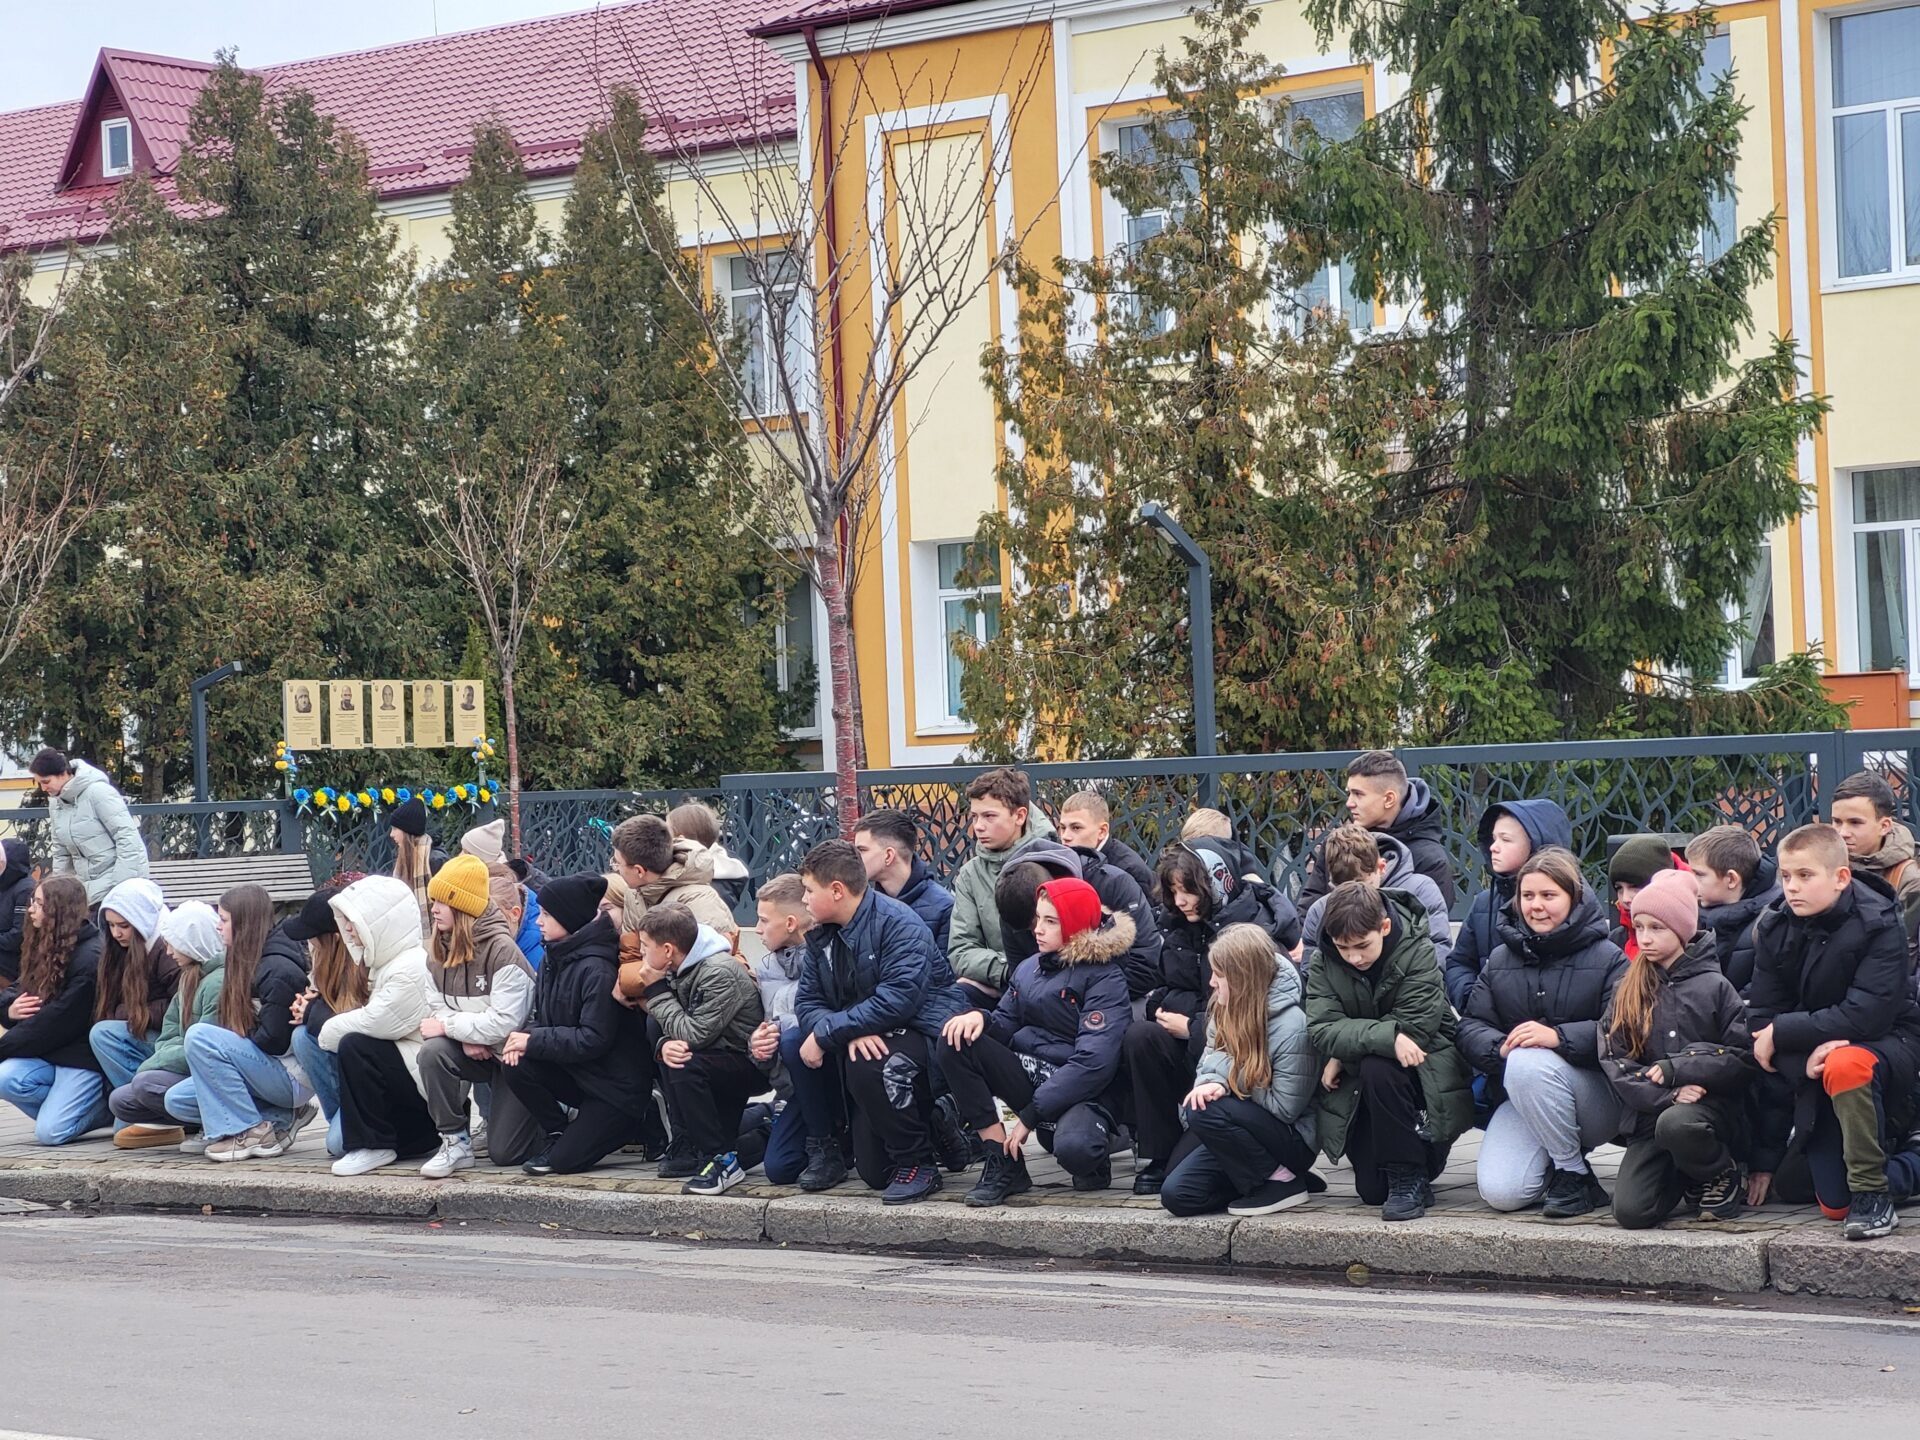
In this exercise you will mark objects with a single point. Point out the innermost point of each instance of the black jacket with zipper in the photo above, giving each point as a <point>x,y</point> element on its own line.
<point>1563,979</point>
<point>1697,1036</point>
<point>578,1025</point>
<point>57,1031</point>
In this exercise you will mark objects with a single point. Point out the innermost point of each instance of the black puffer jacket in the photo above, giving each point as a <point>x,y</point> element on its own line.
<point>1419,827</point>
<point>1236,901</point>
<point>1070,1010</point>
<point>1732,924</point>
<point>1545,823</point>
<point>16,893</point>
<point>57,1031</point>
<point>578,1025</point>
<point>1122,856</point>
<point>1697,1036</point>
<point>1563,978</point>
<point>1838,975</point>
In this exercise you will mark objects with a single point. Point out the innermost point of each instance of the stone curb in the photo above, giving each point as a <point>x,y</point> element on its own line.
<point>1738,1258</point>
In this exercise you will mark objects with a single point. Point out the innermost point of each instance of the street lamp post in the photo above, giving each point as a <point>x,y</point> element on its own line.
<point>1200,633</point>
<point>198,690</point>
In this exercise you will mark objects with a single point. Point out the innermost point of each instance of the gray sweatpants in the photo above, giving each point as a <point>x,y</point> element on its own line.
<point>138,1102</point>
<point>1554,1114</point>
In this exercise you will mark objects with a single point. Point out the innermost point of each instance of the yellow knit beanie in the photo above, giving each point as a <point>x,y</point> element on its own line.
<point>461,883</point>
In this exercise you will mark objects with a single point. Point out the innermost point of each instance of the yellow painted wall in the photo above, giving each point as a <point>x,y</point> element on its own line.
<point>1107,61</point>
<point>1754,173</point>
<point>1873,355</point>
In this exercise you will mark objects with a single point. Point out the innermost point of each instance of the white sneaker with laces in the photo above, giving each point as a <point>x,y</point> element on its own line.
<point>363,1162</point>
<point>455,1153</point>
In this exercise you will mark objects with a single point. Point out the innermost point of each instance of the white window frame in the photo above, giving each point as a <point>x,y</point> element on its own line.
<point>1732,198</point>
<point>1735,676</point>
<point>107,127</point>
<point>934,707</point>
<point>1288,312</point>
<point>784,679</point>
<point>768,404</point>
<point>1118,216</point>
<point>1829,194</point>
<point>1852,647</point>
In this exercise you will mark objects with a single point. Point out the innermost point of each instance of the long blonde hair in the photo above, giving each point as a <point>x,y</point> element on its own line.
<point>1243,956</point>
<point>451,948</point>
<point>340,979</point>
<point>413,860</point>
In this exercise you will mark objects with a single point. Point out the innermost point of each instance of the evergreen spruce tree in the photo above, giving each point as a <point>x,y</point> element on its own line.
<point>1610,464</point>
<point>1185,369</point>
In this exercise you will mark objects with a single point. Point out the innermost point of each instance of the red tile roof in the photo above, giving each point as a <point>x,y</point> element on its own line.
<point>705,81</point>
<point>843,12</point>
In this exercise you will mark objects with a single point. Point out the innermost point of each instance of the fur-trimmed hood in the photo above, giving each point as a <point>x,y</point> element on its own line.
<point>1103,943</point>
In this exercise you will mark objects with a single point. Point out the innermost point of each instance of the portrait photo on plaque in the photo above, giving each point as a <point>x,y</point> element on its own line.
<point>388,714</point>
<point>429,712</point>
<point>346,715</point>
<point>300,713</point>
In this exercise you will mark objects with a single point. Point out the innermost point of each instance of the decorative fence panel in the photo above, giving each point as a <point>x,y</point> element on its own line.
<point>1282,804</point>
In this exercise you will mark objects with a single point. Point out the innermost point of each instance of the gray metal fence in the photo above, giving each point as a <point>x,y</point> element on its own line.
<point>1282,804</point>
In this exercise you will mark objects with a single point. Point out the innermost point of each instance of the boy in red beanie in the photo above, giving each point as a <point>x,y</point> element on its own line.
<point>1051,1048</point>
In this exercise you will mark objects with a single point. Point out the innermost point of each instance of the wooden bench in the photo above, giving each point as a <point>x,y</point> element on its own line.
<point>287,879</point>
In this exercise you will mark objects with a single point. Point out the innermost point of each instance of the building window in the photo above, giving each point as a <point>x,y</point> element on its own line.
<point>767,309</point>
<point>1753,649</point>
<point>1333,117</point>
<point>1134,143</point>
<point>1886,561</point>
<point>1876,142</point>
<point>967,607</point>
<point>794,651</point>
<point>116,147</point>
<point>1723,226</point>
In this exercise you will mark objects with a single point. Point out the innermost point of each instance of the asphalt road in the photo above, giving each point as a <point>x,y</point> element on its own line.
<point>181,1328</point>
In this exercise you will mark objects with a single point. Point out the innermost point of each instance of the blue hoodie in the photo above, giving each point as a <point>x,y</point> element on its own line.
<point>532,943</point>
<point>1546,824</point>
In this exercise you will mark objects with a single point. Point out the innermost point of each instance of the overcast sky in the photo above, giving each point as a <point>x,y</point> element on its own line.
<point>47,50</point>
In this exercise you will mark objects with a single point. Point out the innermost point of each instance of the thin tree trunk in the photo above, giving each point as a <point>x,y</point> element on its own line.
<point>512,717</point>
<point>846,752</point>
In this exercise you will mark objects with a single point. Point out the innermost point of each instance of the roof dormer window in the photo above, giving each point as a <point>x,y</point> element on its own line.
<point>116,147</point>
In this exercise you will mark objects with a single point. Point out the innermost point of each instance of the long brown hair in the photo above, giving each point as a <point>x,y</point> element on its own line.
<point>126,976</point>
<point>413,860</point>
<point>451,948</point>
<point>48,946</point>
<point>1243,956</point>
<point>340,979</point>
<point>249,911</point>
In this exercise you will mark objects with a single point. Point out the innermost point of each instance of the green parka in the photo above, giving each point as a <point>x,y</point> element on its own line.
<point>1350,1017</point>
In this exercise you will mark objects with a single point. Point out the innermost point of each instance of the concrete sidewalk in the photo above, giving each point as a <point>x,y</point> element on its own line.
<point>1778,1247</point>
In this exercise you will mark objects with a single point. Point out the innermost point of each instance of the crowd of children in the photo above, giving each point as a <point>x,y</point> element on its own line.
<point>1746,1025</point>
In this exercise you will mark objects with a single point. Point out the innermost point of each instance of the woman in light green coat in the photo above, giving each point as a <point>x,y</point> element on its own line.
<point>95,837</point>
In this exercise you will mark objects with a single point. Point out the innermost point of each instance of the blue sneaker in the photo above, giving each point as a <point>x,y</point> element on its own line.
<point>911,1183</point>
<point>716,1177</point>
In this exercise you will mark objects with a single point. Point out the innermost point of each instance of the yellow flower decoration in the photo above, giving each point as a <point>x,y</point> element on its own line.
<point>439,802</point>
<point>386,795</point>
<point>345,804</point>
<point>364,798</point>
<point>279,764</point>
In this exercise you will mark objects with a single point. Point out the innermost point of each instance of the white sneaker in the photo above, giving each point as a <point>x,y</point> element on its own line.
<point>195,1144</point>
<point>362,1162</point>
<point>455,1153</point>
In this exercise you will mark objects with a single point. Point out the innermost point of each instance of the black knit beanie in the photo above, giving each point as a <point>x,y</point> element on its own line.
<point>409,818</point>
<point>574,900</point>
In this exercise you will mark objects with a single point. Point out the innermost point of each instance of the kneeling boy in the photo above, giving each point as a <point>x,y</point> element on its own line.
<point>1051,1048</point>
<point>1831,1011</point>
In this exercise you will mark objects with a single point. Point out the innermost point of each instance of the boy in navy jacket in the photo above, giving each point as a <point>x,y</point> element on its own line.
<point>873,993</point>
<point>1051,1048</point>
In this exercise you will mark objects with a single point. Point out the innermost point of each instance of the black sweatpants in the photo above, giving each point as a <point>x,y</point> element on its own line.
<point>1383,1132</point>
<point>889,1101</point>
<point>380,1105</point>
<point>706,1096</point>
<point>1080,1139</point>
<point>597,1129</point>
<point>1240,1146</point>
<point>1161,1066</point>
<point>1689,1143</point>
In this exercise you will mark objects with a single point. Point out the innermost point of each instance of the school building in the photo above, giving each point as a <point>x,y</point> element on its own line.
<point>1832,147</point>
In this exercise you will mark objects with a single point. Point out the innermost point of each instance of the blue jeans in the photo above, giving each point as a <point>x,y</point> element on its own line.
<point>63,1101</point>
<point>322,1068</point>
<point>236,1084</point>
<point>786,1153</point>
<point>817,1094</point>
<point>119,1054</point>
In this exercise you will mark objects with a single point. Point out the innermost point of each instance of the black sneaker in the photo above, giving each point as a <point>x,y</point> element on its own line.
<point>1002,1177</point>
<point>541,1164</point>
<point>1871,1217</point>
<point>950,1136</point>
<point>679,1164</point>
<point>1724,1196</point>
<point>911,1183</point>
<point>1148,1179</point>
<point>1570,1193</point>
<point>718,1176</point>
<point>1406,1199</point>
<point>1100,1179</point>
<point>1272,1197</point>
<point>826,1164</point>
<point>1690,1194</point>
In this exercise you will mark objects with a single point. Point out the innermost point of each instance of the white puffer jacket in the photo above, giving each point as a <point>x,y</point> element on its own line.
<point>385,917</point>
<point>95,836</point>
